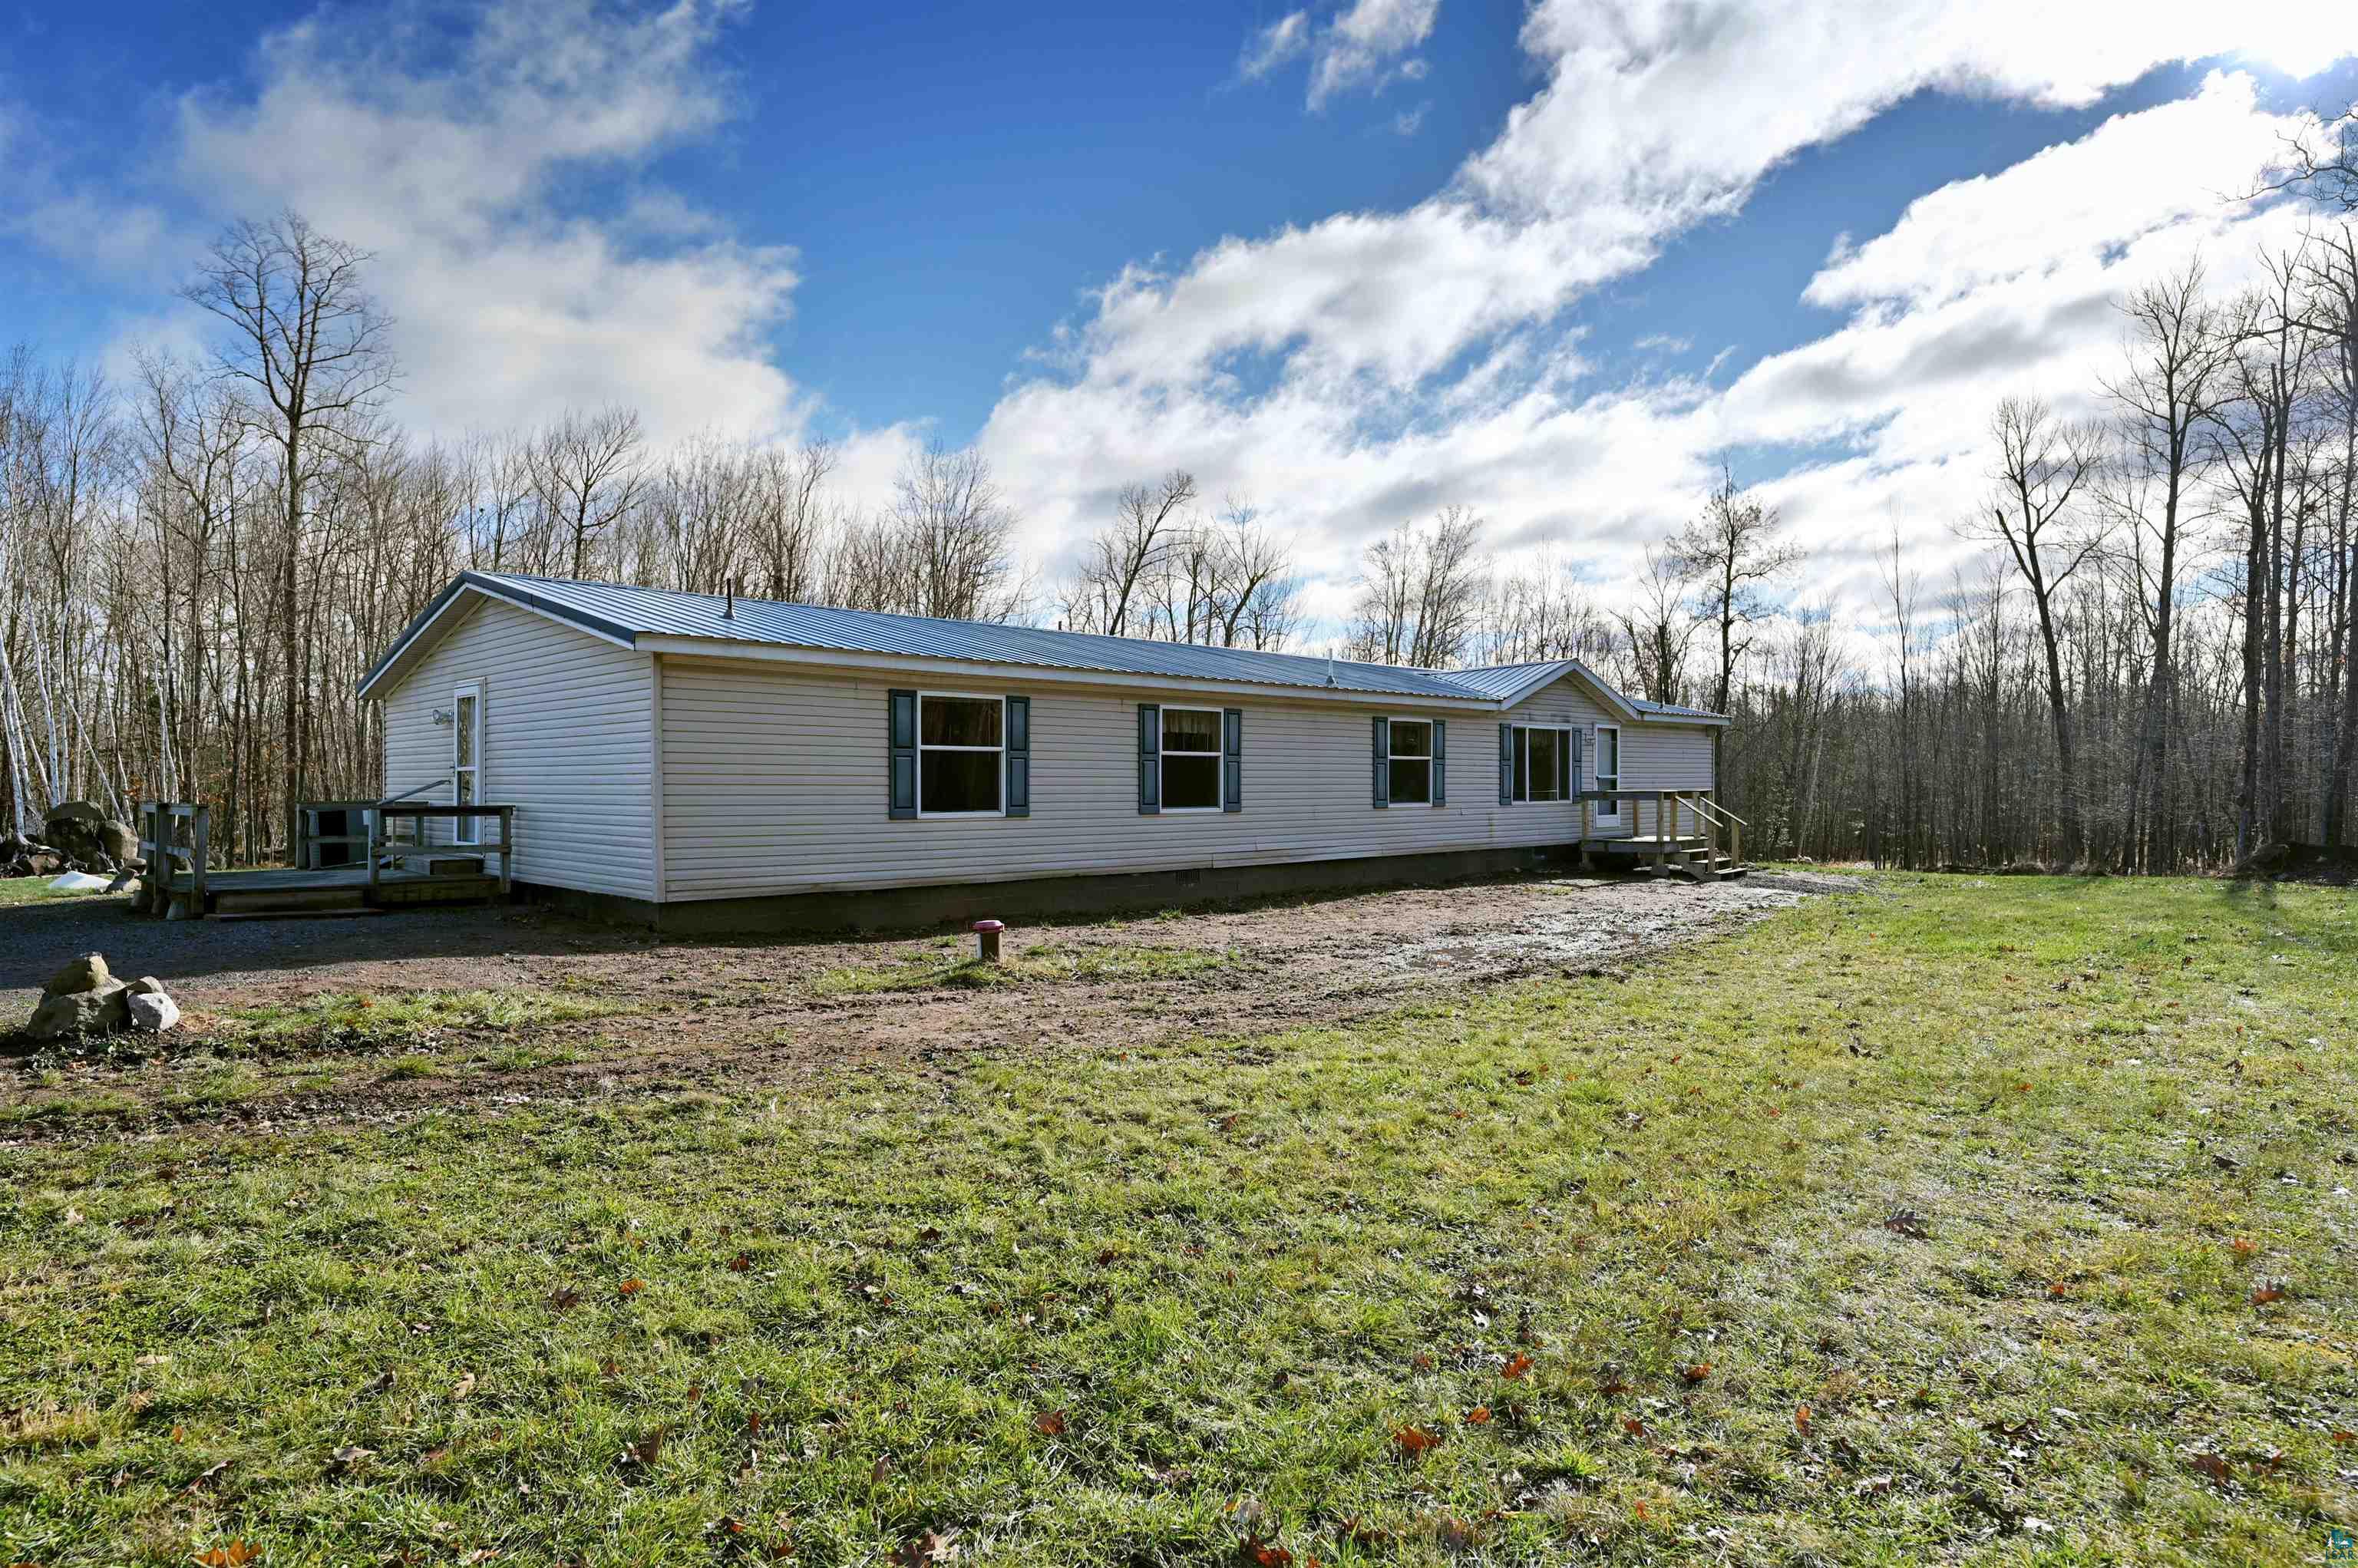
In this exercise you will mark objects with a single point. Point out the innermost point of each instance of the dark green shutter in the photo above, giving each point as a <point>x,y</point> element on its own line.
<point>1150,759</point>
<point>1383,763</point>
<point>1232,760</point>
<point>1019,756</point>
<point>1441,761</point>
<point>1567,765</point>
<point>901,756</point>
<point>1579,737</point>
<point>1506,764</point>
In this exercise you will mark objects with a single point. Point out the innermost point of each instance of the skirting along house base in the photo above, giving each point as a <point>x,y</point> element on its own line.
<point>711,763</point>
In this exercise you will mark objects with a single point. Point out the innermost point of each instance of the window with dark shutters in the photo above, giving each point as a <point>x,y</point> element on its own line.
<point>1441,761</point>
<point>1383,763</point>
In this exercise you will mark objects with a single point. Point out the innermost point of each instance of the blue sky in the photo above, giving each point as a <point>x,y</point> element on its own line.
<point>1352,262</point>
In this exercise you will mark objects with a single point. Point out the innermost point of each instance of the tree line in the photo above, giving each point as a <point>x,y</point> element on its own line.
<point>2146,667</point>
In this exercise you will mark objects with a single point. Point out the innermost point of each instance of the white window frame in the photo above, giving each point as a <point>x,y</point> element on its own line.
<point>1608,812</point>
<point>1392,754</point>
<point>1218,753</point>
<point>467,829</point>
<point>1564,733</point>
<point>1000,751</point>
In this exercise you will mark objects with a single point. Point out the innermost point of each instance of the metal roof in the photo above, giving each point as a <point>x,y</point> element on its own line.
<point>625,614</point>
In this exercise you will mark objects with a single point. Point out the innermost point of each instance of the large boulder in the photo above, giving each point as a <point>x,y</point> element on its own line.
<point>120,840</point>
<point>74,811</point>
<point>101,1010</point>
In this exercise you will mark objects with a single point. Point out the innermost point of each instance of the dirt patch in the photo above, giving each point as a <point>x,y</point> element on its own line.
<point>730,1014</point>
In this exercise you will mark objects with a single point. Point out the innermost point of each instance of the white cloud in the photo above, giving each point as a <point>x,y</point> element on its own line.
<point>1371,45</point>
<point>1284,40</point>
<point>1371,366</point>
<point>510,302</point>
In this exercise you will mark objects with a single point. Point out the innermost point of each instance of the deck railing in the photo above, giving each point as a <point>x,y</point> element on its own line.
<point>170,831</point>
<point>382,813</point>
<point>1657,818</point>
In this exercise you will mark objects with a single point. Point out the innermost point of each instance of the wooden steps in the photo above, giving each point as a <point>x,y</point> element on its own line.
<point>285,901</point>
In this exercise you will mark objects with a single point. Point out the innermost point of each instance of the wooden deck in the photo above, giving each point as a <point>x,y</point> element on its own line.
<point>388,869</point>
<point>331,889</point>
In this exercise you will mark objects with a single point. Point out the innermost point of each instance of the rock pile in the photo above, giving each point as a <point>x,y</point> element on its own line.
<point>85,997</point>
<point>75,837</point>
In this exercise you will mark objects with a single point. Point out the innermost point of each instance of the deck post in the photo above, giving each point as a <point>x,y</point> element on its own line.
<point>371,818</point>
<point>1661,831</point>
<point>507,849</point>
<point>200,834</point>
<point>1587,833</point>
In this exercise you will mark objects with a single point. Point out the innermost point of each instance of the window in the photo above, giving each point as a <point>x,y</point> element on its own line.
<point>466,760</point>
<point>1411,781</point>
<point>1191,758</point>
<point>962,755</point>
<point>1541,763</point>
<point>1608,772</point>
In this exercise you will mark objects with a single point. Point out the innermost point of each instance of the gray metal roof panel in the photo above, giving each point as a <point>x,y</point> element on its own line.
<point>625,614</point>
<point>647,611</point>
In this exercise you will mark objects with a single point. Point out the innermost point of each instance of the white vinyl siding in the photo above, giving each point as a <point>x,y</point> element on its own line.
<point>774,782</point>
<point>567,730</point>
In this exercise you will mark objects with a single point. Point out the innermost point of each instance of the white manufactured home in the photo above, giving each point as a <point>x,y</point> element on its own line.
<point>693,760</point>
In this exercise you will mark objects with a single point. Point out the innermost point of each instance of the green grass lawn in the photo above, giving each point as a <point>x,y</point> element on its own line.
<point>1988,1221</point>
<point>32,890</point>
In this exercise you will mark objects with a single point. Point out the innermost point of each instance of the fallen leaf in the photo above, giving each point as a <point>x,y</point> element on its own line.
<point>231,1555</point>
<point>2342,1436</point>
<point>1907,1222</point>
<point>1479,1415</point>
<point>1414,1440</point>
<point>2266,1294</point>
<point>927,1548</point>
<point>1698,1373</point>
<point>565,1300</point>
<point>632,1287</point>
<point>740,1263</point>
<point>1801,1421</point>
<point>2243,1249</point>
<point>207,1479</point>
<point>1049,1423</point>
<point>1516,1367</point>
<point>646,1451</point>
<point>351,1454</point>
<point>466,1386</point>
<point>2212,1465</point>
<point>1633,1426</point>
<point>1267,1553</point>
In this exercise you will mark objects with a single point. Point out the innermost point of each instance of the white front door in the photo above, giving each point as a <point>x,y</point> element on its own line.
<point>466,760</point>
<point>1608,773</point>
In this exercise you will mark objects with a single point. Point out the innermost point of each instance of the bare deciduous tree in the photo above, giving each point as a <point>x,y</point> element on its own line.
<point>589,472</point>
<point>2050,536</point>
<point>1419,590</point>
<point>306,350</point>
